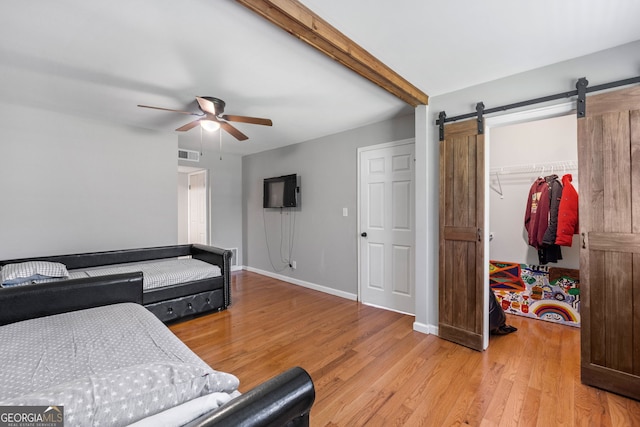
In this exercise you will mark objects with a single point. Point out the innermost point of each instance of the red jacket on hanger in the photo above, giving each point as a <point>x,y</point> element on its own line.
<point>567,213</point>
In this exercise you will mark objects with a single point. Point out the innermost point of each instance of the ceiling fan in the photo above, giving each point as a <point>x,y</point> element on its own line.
<point>212,117</point>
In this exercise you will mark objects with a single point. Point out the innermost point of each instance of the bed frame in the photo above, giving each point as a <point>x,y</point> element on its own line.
<point>284,400</point>
<point>168,303</point>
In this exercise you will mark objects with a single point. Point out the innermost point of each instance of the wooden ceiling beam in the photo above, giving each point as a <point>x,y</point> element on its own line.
<point>301,22</point>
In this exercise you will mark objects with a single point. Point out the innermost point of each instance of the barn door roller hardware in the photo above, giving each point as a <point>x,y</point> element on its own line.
<point>480,117</point>
<point>442,118</point>
<point>582,89</point>
<point>582,97</point>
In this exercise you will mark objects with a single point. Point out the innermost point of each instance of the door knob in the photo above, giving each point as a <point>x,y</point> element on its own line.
<point>363,234</point>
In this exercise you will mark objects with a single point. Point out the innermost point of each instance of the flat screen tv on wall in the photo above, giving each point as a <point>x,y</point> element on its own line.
<point>281,192</point>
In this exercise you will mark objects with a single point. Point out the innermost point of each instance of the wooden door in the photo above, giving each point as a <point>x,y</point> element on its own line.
<point>609,161</point>
<point>387,226</point>
<point>461,265</point>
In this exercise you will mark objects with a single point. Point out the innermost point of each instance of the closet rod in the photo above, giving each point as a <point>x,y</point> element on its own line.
<point>569,94</point>
<point>552,167</point>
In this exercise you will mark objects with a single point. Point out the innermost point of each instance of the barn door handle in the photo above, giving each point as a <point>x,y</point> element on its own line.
<point>479,234</point>
<point>584,243</point>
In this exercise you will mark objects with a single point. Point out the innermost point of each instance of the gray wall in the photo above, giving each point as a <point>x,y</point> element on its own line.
<point>70,184</point>
<point>602,67</point>
<point>225,190</point>
<point>226,206</point>
<point>324,241</point>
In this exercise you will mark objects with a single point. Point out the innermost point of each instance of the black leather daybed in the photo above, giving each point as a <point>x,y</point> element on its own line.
<point>90,349</point>
<point>180,298</point>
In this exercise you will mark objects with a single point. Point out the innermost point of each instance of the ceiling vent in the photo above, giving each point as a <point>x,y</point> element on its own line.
<point>189,155</point>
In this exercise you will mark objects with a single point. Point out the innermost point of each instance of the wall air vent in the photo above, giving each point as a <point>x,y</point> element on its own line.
<point>189,155</point>
<point>234,258</point>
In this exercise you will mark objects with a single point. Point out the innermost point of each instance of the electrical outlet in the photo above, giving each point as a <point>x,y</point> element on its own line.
<point>293,265</point>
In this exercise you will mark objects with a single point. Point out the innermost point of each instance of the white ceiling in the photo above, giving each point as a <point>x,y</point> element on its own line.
<point>100,59</point>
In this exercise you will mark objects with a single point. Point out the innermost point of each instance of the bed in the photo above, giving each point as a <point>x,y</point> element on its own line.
<point>178,281</point>
<point>91,348</point>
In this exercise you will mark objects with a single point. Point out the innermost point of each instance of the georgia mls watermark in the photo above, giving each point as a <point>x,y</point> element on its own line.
<point>31,416</point>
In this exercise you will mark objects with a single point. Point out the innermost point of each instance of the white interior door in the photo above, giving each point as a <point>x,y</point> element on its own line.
<point>198,207</point>
<point>386,202</point>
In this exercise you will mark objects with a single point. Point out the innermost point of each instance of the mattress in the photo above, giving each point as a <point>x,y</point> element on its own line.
<point>110,365</point>
<point>157,274</point>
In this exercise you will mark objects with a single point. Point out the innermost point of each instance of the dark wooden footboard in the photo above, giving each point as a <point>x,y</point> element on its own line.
<point>284,400</point>
<point>46,299</point>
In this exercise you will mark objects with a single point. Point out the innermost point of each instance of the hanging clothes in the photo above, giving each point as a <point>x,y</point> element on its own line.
<point>550,253</point>
<point>541,218</point>
<point>537,213</point>
<point>555,196</point>
<point>568,224</point>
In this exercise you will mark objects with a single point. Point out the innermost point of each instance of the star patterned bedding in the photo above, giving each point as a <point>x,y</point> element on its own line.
<point>159,273</point>
<point>156,274</point>
<point>111,365</point>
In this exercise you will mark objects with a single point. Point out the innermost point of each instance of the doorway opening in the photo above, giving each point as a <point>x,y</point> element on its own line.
<point>521,148</point>
<point>193,206</point>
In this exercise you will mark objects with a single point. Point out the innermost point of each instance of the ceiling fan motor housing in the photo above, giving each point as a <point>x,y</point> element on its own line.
<point>218,103</point>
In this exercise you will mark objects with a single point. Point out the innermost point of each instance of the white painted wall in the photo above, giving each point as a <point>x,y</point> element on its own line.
<point>536,142</point>
<point>183,208</point>
<point>70,184</point>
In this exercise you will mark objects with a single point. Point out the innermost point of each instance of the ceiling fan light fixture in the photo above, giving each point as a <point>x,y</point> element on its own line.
<point>209,125</point>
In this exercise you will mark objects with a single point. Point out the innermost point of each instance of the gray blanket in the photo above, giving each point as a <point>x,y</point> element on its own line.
<point>109,365</point>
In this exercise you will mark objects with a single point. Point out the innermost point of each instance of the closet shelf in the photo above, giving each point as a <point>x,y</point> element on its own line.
<point>535,169</point>
<point>546,168</point>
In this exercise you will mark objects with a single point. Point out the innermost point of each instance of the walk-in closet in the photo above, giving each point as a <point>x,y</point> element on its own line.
<point>540,283</point>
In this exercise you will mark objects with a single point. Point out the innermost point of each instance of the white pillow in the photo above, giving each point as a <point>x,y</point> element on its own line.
<point>14,274</point>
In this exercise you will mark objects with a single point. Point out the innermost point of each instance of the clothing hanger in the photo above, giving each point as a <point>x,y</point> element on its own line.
<point>499,189</point>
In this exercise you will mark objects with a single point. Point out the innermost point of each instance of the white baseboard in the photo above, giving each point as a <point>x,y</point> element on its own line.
<point>388,309</point>
<point>303,283</point>
<point>425,329</point>
<point>237,268</point>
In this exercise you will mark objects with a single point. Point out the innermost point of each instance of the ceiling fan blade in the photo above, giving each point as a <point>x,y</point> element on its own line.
<point>233,131</point>
<point>168,109</point>
<point>188,126</point>
<point>244,119</point>
<point>206,105</point>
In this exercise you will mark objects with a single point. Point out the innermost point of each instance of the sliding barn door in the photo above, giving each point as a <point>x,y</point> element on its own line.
<point>609,160</point>
<point>461,268</point>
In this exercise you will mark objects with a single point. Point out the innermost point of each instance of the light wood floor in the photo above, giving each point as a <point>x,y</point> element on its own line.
<point>370,368</point>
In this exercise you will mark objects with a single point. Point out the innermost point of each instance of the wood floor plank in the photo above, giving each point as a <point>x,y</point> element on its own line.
<point>380,393</point>
<point>370,368</point>
<point>591,406</point>
<point>484,393</point>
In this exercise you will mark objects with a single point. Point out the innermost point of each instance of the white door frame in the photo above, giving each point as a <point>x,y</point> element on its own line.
<point>534,114</point>
<point>206,204</point>
<point>359,208</point>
